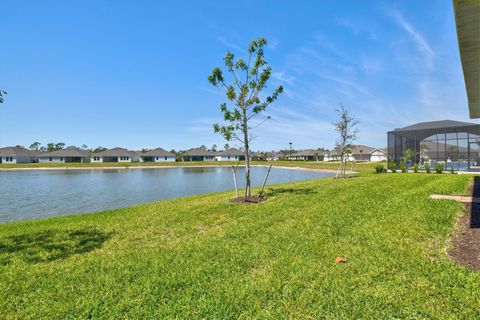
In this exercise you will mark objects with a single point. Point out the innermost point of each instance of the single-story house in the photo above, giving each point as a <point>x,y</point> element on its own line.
<point>115,155</point>
<point>359,153</point>
<point>434,150</point>
<point>274,156</point>
<point>158,155</point>
<point>230,155</point>
<point>18,155</point>
<point>366,153</point>
<point>306,155</point>
<point>67,155</point>
<point>259,156</point>
<point>198,154</point>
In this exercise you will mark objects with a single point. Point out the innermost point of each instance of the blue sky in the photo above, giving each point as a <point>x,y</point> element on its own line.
<point>134,73</point>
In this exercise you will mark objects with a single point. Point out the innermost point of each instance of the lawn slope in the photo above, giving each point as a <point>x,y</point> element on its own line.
<point>204,257</point>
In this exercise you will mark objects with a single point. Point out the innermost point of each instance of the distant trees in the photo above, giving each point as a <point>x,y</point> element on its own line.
<point>347,130</point>
<point>55,146</point>
<point>248,79</point>
<point>35,146</point>
<point>214,148</point>
<point>99,149</point>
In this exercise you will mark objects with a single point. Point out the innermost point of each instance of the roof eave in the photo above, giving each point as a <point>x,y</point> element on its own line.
<point>467,19</point>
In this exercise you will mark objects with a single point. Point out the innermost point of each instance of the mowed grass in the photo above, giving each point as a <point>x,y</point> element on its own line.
<point>204,257</point>
<point>358,167</point>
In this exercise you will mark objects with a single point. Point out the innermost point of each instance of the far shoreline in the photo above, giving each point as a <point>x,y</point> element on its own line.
<point>119,167</point>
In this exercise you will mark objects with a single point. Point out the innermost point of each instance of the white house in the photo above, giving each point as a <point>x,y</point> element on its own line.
<point>18,155</point>
<point>230,155</point>
<point>115,155</point>
<point>158,155</point>
<point>198,154</point>
<point>359,153</point>
<point>67,155</point>
<point>378,155</point>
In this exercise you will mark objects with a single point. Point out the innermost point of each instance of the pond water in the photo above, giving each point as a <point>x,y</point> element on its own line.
<point>35,194</point>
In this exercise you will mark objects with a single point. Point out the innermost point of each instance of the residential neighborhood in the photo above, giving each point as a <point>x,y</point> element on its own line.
<point>72,154</point>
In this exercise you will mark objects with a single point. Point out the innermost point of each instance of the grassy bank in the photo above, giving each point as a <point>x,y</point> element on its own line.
<point>204,257</point>
<point>360,167</point>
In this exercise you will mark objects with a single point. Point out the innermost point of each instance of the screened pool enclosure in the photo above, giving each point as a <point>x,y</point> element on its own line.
<point>452,143</point>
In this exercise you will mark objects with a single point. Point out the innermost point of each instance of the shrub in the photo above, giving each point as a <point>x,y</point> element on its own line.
<point>439,168</point>
<point>379,168</point>
<point>427,168</point>
<point>415,167</point>
<point>403,166</point>
<point>452,171</point>
<point>392,166</point>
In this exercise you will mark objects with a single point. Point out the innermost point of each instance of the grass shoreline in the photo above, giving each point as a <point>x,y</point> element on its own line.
<point>324,166</point>
<point>204,257</point>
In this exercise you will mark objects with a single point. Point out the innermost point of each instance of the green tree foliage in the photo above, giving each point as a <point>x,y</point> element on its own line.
<point>99,149</point>
<point>35,146</point>
<point>247,80</point>
<point>52,146</point>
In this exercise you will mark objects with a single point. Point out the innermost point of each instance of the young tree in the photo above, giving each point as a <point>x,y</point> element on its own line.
<point>346,127</point>
<point>35,146</point>
<point>248,79</point>
<point>2,95</point>
<point>226,146</point>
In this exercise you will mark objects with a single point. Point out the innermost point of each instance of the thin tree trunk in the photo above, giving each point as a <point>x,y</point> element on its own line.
<point>247,157</point>
<point>235,180</point>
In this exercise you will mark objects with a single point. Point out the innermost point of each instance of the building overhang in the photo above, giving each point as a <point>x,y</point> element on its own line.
<point>467,18</point>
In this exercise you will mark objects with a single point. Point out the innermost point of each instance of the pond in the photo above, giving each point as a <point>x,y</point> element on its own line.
<point>35,194</point>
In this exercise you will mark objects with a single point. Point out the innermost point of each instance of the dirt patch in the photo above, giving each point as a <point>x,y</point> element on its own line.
<point>466,240</point>
<point>251,200</point>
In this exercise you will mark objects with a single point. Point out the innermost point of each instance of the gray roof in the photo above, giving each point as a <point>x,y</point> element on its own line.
<point>18,152</point>
<point>115,152</point>
<point>442,124</point>
<point>307,153</point>
<point>230,152</point>
<point>199,152</point>
<point>357,149</point>
<point>67,152</point>
<point>467,18</point>
<point>158,152</point>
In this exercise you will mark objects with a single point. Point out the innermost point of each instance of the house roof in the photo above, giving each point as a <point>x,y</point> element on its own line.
<point>115,152</point>
<point>467,18</point>
<point>198,152</point>
<point>230,152</point>
<point>442,124</point>
<point>357,150</point>
<point>67,152</point>
<point>423,130</point>
<point>158,152</point>
<point>18,152</point>
<point>307,153</point>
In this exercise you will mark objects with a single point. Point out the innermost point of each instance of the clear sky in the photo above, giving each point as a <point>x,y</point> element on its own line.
<point>134,73</point>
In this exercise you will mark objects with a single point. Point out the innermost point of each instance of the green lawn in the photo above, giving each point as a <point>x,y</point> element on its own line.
<point>359,167</point>
<point>204,257</point>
